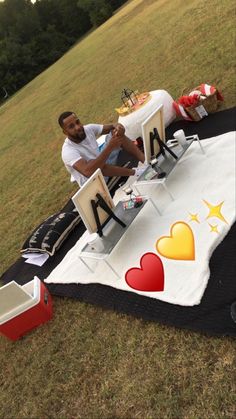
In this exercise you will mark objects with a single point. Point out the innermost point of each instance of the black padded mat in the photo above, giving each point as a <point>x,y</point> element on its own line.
<point>211,316</point>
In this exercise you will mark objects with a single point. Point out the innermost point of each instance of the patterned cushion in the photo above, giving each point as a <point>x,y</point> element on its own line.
<point>51,233</point>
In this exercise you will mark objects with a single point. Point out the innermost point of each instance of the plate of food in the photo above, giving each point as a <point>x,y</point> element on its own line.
<point>123,110</point>
<point>142,97</point>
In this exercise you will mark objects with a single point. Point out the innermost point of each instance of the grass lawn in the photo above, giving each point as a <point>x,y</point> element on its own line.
<point>88,362</point>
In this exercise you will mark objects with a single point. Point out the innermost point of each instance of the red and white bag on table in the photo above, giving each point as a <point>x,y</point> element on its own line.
<point>198,103</point>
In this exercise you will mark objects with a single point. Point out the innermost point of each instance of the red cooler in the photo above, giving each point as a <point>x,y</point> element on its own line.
<point>22,308</point>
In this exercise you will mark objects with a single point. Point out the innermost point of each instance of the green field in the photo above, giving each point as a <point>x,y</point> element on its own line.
<point>88,362</point>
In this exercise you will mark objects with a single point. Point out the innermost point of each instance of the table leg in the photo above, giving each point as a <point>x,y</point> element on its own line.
<point>159,212</point>
<point>136,189</point>
<point>113,270</point>
<point>87,266</point>
<point>200,145</point>
<point>167,190</point>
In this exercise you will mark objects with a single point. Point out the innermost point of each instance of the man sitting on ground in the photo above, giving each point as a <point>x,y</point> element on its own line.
<point>81,154</point>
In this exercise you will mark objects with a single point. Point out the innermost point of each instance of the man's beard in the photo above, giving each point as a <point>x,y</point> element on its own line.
<point>79,136</point>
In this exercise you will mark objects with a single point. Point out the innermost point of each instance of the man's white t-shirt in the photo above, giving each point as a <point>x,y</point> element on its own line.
<point>88,149</point>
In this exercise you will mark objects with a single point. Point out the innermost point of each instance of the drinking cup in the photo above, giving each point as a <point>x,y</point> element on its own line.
<point>180,137</point>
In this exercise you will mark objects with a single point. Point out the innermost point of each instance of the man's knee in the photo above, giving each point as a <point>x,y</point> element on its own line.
<point>126,140</point>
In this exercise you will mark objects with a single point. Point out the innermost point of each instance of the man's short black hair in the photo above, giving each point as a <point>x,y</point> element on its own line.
<point>63,116</point>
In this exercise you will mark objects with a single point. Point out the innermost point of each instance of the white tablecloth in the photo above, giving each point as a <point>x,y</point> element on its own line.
<point>133,121</point>
<point>196,178</point>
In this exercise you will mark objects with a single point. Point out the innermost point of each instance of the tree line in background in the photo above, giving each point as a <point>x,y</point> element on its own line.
<point>33,36</point>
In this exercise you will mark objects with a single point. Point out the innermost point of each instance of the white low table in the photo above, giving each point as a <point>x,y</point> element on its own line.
<point>133,121</point>
<point>112,233</point>
<point>166,164</point>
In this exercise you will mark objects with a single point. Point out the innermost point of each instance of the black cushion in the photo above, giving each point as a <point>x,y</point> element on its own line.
<point>51,233</point>
<point>69,206</point>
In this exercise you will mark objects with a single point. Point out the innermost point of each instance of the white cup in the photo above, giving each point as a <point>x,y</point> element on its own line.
<point>180,137</point>
<point>95,242</point>
<point>127,190</point>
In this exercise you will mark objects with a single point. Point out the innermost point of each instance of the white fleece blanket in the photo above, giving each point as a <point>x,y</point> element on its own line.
<point>204,192</point>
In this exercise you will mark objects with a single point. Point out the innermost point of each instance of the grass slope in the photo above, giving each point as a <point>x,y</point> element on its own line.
<point>89,363</point>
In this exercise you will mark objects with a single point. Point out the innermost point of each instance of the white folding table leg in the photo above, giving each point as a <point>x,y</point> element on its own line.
<point>159,212</point>
<point>87,266</point>
<point>167,190</point>
<point>136,189</point>
<point>113,270</point>
<point>201,147</point>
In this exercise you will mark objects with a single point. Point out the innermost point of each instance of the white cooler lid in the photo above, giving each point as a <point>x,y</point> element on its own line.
<point>14,299</point>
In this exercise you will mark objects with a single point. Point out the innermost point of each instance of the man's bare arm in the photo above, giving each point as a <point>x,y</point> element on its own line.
<point>131,148</point>
<point>107,169</point>
<point>88,167</point>
<point>107,128</point>
<point>111,170</point>
<point>127,144</point>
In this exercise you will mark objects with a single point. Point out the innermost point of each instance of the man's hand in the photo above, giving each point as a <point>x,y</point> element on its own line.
<point>115,142</point>
<point>115,129</point>
<point>118,130</point>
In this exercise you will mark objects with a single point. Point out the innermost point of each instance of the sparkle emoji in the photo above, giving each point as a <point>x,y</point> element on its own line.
<point>179,245</point>
<point>213,228</point>
<point>215,211</point>
<point>194,217</point>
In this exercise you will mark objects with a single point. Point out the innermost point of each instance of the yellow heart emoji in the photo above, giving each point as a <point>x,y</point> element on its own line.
<point>179,245</point>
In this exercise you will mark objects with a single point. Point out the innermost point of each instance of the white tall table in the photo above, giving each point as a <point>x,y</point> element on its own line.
<point>133,121</point>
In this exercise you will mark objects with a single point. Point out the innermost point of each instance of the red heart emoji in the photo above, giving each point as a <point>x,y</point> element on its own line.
<point>151,275</point>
